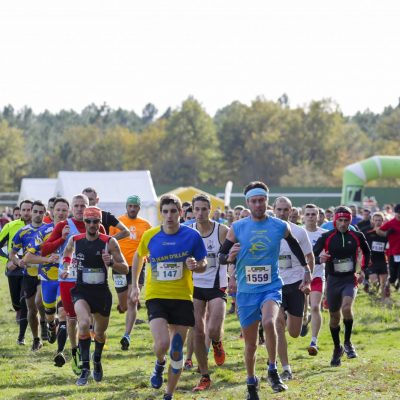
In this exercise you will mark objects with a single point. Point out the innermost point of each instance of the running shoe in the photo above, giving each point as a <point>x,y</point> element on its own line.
<point>188,365</point>
<point>350,350</point>
<point>140,321</point>
<point>97,371</point>
<point>37,344</point>
<point>83,378</point>
<point>232,309</point>
<point>286,375</point>
<point>125,342</point>
<point>204,384</point>
<point>336,356</point>
<point>76,362</point>
<point>59,359</point>
<point>312,349</point>
<point>252,390</point>
<point>275,381</point>
<point>167,397</point>
<point>219,353</point>
<point>21,341</point>
<point>156,379</point>
<point>261,339</point>
<point>304,327</point>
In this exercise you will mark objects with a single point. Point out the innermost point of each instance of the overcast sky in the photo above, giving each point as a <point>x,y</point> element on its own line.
<point>67,54</point>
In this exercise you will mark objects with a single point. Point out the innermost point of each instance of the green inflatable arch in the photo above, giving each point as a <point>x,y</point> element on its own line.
<point>356,175</point>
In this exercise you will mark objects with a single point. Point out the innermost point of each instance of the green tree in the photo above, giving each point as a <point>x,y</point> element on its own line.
<point>190,148</point>
<point>13,165</point>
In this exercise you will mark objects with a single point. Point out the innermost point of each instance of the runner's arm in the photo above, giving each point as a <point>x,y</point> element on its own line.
<point>224,255</point>
<point>117,262</point>
<point>137,265</point>
<point>123,231</point>
<point>54,241</point>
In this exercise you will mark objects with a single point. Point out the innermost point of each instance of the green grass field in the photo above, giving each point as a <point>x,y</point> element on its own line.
<point>374,375</point>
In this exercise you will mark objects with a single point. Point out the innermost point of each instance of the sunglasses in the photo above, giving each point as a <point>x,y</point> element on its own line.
<point>92,221</point>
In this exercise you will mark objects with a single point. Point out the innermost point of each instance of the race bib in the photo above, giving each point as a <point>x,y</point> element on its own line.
<point>93,276</point>
<point>343,265</point>
<point>378,246</point>
<point>120,280</point>
<point>258,274</point>
<point>396,258</point>
<point>285,261</point>
<point>168,271</point>
<point>72,272</point>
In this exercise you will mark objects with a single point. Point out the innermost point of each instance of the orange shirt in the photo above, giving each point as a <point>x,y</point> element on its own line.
<point>136,227</point>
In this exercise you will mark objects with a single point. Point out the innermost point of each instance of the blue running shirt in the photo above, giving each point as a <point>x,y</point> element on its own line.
<point>257,260</point>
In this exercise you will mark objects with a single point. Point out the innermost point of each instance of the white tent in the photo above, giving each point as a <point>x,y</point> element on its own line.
<point>113,188</point>
<point>37,189</point>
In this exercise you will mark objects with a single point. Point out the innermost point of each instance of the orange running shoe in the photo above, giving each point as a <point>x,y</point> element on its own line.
<point>204,384</point>
<point>188,364</point>
<point>219,353</point>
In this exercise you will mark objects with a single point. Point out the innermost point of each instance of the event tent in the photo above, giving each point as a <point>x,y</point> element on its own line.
<point>113,188</point>
<point>37,189</point>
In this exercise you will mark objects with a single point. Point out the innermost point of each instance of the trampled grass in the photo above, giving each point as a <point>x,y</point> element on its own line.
<point>374,375</point>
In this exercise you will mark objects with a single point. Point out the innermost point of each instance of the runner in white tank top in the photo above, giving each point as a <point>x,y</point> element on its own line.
<point>209,296</point>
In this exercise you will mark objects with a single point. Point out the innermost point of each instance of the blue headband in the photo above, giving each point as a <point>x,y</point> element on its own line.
<point>256,192</point>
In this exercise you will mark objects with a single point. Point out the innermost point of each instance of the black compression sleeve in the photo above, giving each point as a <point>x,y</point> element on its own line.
<point>224,252</point>
<point>296,249</point>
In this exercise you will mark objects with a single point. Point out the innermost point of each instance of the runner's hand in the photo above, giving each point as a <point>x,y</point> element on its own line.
<point>135,292</point>
<point>191,263</point>
<point>106,258</point>
<point>233,252</point>
<point>324,256</point>
<point>10,265</point>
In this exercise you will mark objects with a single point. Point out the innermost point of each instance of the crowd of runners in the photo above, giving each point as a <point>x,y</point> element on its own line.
<point>277,265</point>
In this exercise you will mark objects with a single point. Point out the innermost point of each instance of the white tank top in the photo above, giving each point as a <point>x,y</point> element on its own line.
<point>215,276</point>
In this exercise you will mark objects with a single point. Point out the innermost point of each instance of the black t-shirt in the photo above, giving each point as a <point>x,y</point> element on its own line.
<point>377,244</point>
<point>343,249</point>
<point>107,220</point>
<point>88,258</point>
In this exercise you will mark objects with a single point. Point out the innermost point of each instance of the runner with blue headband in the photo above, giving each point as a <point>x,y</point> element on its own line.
<point>253,244</point>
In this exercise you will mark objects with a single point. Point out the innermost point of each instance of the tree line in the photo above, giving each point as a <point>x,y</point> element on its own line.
<point>267,140</point>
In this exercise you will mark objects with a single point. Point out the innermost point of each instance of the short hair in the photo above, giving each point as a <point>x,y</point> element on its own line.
<point>25,201</point>
<point>51,199</point>
<point>255,185</point>
<point>188,210</point>
<point>61,200</point>
<point>201,197</point>
<point>15,209</point>
<point>282,198</point>
<point>310,205</point>
<point>90,190</point>
<point>378,214</point>
<point>38,203</point>
<point>171,199</point>
<point>186,204</point>
<point>81,196</point>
